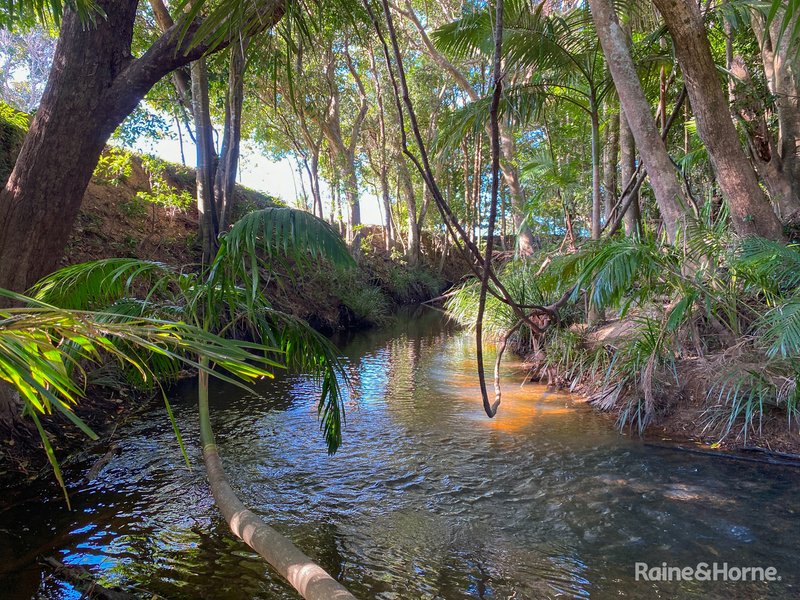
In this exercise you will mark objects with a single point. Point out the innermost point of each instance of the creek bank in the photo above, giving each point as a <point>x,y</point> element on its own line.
<point>683,412</point>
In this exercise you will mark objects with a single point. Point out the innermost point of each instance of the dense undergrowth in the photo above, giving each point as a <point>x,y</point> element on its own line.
<point>707,328</point>
<point>366,296</point>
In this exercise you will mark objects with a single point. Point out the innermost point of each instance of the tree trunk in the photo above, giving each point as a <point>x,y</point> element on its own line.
<point>627,159</point>
<point>387,207</point>
<point>10,407</point>
<point>782,69</point>
<point>595,315</point>
<point>225,182</point>
<point>663,176</point>
<point>43,194</point>
<point>94,84</point>
<point>351,197</point>
<point>476,180</point>
<point>316,192</point>
<point>525,243</point>
<point>597,201</point>
<point>205,173</point>
<point>303,574</point>
<point>413,250</point>
<point>388,232</point>
<point>766,157</point>
<point>345,153</point>
<point>751,213</point>
<point>467,170</point>
<point>610,159</point>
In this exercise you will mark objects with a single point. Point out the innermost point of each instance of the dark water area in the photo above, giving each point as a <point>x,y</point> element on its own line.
<point>427,498</point>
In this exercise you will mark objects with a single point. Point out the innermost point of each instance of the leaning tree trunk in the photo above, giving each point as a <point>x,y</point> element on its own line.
<point>77,114</point>
<point>663,176</point>
<point>751,213</point>
<point>303,574</point>
<point>93,85</point>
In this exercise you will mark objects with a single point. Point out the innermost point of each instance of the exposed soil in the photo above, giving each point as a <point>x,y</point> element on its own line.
<point>114,223</point>
<point>686,418</point>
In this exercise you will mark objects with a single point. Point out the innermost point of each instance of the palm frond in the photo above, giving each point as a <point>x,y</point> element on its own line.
<point>786,13</point>
<point>771,266</point>
<point>97,284</point>
<point>42,345</point>
<point>275,232</point>
<point>781,329</point>
<point>16,12</point>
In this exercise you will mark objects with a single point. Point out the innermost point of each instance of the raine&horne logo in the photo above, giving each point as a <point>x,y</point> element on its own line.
<point>704,572</point>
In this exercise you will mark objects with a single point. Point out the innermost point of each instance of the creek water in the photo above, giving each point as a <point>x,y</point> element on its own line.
<point>427,498</point>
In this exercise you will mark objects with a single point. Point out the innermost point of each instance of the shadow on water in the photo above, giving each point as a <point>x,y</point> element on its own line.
<point>427,499</point>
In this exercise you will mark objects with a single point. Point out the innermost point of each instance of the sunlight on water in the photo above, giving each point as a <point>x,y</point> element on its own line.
<point>428,498</point>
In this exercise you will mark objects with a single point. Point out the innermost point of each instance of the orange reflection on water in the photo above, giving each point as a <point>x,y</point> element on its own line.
<point>522,406</point>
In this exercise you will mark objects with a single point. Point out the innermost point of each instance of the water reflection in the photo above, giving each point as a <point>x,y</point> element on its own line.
<point>427,499</point>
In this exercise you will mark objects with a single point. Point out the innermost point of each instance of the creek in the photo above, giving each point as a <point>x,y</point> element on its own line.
<point>427,498</point>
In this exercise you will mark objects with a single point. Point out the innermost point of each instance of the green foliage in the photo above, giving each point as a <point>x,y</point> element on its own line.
<point>407,285</point>
<point>141,124</point>
<point>14,117</point>
<point>519,279</point>
<point>161,192</point>
<point>25,12</point>
<point>45,350</point>
<point>114,167</point>
<point>135,207</point>
<point>740,291</point>
<point>729,305</point>
<point>366,301</point>
<point>13,127</point>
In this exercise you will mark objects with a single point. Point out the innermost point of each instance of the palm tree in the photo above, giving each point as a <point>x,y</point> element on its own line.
<point>222,301</point>
<point>549,58</point>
